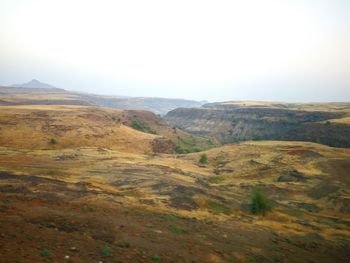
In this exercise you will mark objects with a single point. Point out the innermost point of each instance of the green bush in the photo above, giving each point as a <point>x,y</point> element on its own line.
<point>203,159</point>
<point>156,257</point>
<point>106,251</point>
<point>179,149</point>
<point>260,203</point>
<point>137,125</point>
<point>45,253</point>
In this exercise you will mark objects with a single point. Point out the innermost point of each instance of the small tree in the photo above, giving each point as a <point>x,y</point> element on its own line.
<point>260,202</point>
<point>179,149</point>
<point>203,159</point>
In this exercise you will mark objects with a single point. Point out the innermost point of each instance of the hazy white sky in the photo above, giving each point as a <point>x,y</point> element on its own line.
<point>295,50</point>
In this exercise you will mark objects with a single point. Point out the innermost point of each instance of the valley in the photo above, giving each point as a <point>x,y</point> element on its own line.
<point>174,131</point>
<point>233,122</point>
<point>83,183</point>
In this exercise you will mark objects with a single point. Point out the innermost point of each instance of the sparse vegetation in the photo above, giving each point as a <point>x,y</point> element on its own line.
<point>260,204</point>
<point>191,144</point>
<point>29,237</point>
<point>179,150</point>
<point>278,257</point>
<point>216,179</point>
<point>137,125</point>
<point>203,159</point>
<point>217,208</point>
<point>252,259</point>
<point>87,208</point>
<point>171,217</point>
<point>177,229</point>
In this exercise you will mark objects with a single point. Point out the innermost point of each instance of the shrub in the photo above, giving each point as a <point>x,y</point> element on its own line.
<point>106,251</point>
<point>203,159</point>
<point>260,202</point>
<point>156,257</point>
<point>209,143</point>
<point>45,253</point>
<point>137,125</point>
<point>179,150</point>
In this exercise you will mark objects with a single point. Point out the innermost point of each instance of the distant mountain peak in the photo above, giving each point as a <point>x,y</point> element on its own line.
<point>34,83</point>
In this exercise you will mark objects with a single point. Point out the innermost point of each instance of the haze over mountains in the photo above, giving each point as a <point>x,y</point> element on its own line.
<point>156,105</point>
<point>249,50</point>
<point>34,84</point>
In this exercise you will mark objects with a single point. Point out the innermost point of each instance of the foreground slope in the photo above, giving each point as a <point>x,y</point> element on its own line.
<point>95,204</point>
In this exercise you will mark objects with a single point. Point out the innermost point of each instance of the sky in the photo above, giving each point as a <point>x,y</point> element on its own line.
<point>275,50</point>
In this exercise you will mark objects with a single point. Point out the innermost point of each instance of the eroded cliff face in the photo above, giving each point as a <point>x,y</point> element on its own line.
<point>199,121</point>
<point>333,134</point>
<point>231,124</point>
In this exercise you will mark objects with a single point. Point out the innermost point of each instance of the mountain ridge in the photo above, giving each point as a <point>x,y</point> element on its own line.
<point>34,83</point>
<point>157,105</point>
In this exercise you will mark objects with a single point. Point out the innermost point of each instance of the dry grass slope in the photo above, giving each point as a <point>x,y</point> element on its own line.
<point>97,194</point>
<point>33,127</point>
